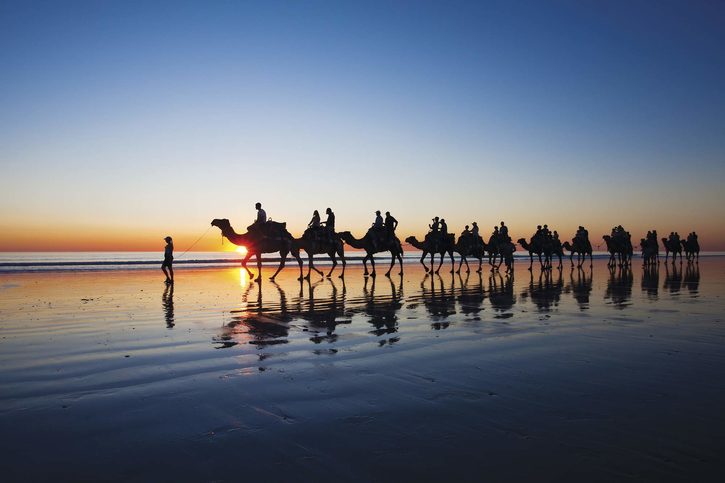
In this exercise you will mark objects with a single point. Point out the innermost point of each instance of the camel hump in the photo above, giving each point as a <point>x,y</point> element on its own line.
<point>278,225</point>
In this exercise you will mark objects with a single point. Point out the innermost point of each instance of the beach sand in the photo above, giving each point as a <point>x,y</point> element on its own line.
<point>585,375</point>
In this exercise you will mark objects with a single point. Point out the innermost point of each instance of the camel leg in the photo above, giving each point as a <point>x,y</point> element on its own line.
<point>259,267</point>
<point>296,255</point>
<point>422,261</point>
<point>372,263</point>
<point>442,255</point>
<point>400,260</point>
<point>341,254</point>
<point>392,263</point>
<point>244,265</point>
<point>333,257</point>
<point>313,267</point>
<point>453,262</point>
<point>309,266</point>
<point>365,264</point>
<point>283,260</point>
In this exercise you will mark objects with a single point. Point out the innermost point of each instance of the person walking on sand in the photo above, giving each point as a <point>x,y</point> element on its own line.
<point>168,260</point>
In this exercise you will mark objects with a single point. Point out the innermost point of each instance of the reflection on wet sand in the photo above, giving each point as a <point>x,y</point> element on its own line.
<point>651,281</point>
<point>673,278</point>
<point>268,312</point>
<point>545,293</point>
<point>619,287</point>
<point>438,300</point>
<point>580,286</point>
<point>382,309</point>
<point>692,278</point>
<point>167,302</point>
<point>501,295</point>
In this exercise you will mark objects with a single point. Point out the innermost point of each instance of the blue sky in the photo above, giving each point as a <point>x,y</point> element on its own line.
<point>138,117</point>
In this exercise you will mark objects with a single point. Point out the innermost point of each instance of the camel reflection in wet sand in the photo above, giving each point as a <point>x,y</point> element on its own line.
<point>651,281</point>
<point>545,293</point>
<point>580,286</point>
<point>316,311</point>
<point>264,323</point>
<point>381,310</point>
<point>619,286</point>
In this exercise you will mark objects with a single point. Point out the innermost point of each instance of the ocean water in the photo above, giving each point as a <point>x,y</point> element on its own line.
<point>41,261</point>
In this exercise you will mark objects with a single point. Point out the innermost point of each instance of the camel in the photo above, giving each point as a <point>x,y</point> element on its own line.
<point>674,248</point>
<point>692,250</point>
<point>649,252</point>
<point>557,249</point>
<point>493,251</point>
<point>332,247</point>
<point>582,249</point>
<point>441,248</point>
<point>540,247</point>
<point>469,248</point>
<point>256,246</point>
<point>506,250</point>
<point>618,248</point>
<point>366,243</point>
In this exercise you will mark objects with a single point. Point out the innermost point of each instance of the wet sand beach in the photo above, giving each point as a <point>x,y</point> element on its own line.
<point>580,375</point>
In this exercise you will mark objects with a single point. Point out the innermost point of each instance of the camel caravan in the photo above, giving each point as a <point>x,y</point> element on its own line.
<point>320,238</point>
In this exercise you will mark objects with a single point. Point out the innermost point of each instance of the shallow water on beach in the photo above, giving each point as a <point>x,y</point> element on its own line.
<point>594,373</point>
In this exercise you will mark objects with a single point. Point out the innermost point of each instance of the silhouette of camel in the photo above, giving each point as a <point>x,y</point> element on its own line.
<point>441,248</point>
<point>618,249</point>
<point>539,247</point>
<point>492,247</point>
<point>468,248</point>
<point>332,247</point>
<point>557,249</point>
<point>650,252</point>
<point>257,245</point>
<point>391,245</point>
<point>692,250</point>
<point>581,249</point>
<point>674,248</point>
<point>506,250</point>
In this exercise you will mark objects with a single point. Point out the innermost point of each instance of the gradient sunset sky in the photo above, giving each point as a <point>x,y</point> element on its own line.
<point>122,122</point>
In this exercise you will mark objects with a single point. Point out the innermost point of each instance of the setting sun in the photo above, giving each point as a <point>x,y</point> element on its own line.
<point>242,250</point>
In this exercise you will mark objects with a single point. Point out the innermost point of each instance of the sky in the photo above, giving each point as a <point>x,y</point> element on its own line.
<point>123,122</point>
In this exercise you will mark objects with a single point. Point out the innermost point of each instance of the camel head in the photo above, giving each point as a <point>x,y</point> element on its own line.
<point>221,223</point>
<point>410,240</point>
<point>521,241</point>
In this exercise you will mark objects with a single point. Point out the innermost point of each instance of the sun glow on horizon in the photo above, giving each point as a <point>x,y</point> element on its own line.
<point>242,250</point>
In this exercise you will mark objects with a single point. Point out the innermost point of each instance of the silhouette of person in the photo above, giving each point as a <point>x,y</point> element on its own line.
<point>390,223</point>
<point>330,222</point>
<point>538,231</point>
<point>378,223</point>
<point>261,214</point>
<point>466,232</point>
<point>315,221</point>
<point>504,231</point>
<point>435,227</point>
<point>168,260</point>
<point>259,223</point>
<point>444,227</point>
<point>474,230</point>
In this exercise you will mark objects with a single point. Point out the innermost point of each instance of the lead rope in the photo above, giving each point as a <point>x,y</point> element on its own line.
<point>197,241</point>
